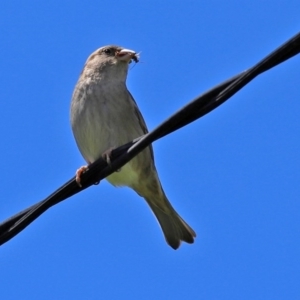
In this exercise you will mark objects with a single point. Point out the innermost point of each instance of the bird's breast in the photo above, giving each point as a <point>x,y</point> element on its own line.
<point>103,118</point>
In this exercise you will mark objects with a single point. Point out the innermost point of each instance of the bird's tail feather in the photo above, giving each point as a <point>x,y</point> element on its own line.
<point>175,229</point>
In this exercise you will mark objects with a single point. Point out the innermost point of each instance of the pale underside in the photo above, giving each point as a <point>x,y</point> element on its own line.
<point>102,122</point>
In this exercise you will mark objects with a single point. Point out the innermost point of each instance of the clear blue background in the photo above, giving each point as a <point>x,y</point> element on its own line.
<point>233,175</point>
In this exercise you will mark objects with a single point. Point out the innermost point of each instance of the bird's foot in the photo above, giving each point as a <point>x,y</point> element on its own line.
<point>107,157</point>
<point>79,172</point>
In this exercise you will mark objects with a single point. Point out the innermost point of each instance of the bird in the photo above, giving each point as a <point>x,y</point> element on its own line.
<point>104,115</point>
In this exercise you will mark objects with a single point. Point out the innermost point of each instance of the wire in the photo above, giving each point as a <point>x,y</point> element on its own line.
<point>196,109</point>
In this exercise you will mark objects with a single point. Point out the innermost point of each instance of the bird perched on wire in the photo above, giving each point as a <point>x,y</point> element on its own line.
<point>104,115</point>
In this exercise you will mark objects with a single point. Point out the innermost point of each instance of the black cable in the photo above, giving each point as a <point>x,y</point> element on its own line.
<point>200,106</point>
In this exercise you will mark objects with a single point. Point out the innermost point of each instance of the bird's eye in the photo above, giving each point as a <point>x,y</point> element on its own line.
<point>107,51</point>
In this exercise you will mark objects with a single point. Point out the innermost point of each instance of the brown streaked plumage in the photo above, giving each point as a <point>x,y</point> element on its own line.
<point>104,115</point>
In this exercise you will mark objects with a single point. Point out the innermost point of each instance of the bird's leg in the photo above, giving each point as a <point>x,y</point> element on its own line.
<point>79,173</point>
<point>106,155</point>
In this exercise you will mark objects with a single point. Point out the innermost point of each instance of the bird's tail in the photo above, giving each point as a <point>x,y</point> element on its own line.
<point>175,229</point>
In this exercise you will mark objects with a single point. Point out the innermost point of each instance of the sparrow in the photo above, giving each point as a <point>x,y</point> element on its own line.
<point>104,116</point>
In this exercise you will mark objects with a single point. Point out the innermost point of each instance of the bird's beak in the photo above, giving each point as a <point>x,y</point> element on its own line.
<point>127,55</point>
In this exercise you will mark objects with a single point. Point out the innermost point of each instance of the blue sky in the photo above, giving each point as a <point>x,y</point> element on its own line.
<point>233,175</point>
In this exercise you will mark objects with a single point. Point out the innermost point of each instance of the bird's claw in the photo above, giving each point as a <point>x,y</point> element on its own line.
<point>107,157</point>
<point>79,172</point>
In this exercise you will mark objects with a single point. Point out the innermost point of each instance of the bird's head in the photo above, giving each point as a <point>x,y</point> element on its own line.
<point>110,62</point>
